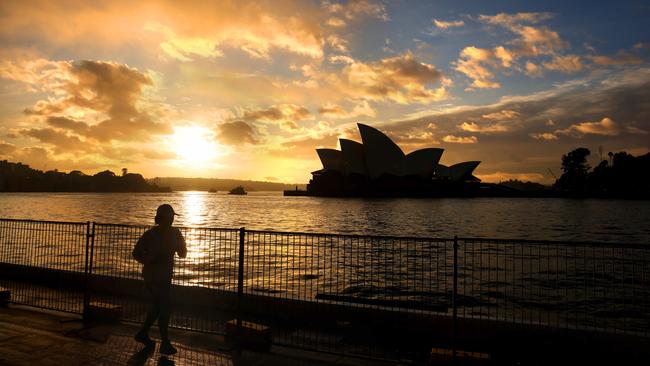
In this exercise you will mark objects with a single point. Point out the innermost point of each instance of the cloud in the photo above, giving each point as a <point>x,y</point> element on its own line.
<point>91,109</point>
<point>338,44</point>
<point>180,31</point>
<point>476,63</point>
<point>335,22</point>
<point>100,88</point>
<point>533,70</point>
<point>460,139</point>
<point>513,20</point>
<point>62,141</point>
<point>336,111</point>
<point>402,79</point>
<point>6,148</point>
<point>450,24</point>
<point>305,146</point>
<point>566,64</point>
<point>544,136</point>
<point>604,127</point>
<point>236,133</point>
<point>473,127</point>
<point>531,42</point>
<point>341,59</point>
<point>353,10</point>
<point>285,115</point>
<point>622,58</point>
<point>504,114</point>
<point>35,74</point>
<point>64,123</point>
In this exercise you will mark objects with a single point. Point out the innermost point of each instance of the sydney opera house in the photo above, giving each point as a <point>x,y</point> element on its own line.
<point>378,167</point>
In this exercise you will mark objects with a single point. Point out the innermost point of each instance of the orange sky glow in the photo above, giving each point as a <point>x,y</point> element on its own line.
<point>249,89</point>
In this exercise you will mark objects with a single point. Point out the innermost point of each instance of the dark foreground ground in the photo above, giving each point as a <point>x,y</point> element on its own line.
<point>37,337</point>
<point>40,337</point>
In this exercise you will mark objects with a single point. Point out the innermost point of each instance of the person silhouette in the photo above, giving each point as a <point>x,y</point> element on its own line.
<point>156,249</point>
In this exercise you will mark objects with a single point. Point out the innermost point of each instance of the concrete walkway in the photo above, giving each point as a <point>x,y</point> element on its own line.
<point>35,337</point>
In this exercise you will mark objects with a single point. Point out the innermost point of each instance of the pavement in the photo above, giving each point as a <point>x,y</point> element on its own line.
<point>31,336</point>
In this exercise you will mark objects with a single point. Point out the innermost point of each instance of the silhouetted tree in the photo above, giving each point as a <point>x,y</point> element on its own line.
<point>575,168</point>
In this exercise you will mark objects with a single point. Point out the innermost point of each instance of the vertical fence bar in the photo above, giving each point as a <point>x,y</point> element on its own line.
<point>240,275</point>
<point>454,328</point>
<point>91,236</point>
<point>86,274</point>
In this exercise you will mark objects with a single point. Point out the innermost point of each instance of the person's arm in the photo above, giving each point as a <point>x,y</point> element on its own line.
<point>141,250</point>
<point>182,247</point>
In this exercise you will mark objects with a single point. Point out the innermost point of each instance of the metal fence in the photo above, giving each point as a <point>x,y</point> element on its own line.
<point>339,293</point>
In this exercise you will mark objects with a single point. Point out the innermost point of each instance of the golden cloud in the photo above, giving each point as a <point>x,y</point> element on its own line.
<point>604,127</point>
<point>450,24</point>
<point>503,114</point>
<point>353,10</point>
<point>480,64</point>
<point>181,30</point>
<point>472,62</point>
<point>473,127</point>
<point>279,112</point>
<point>402,79</point>
<point>460,139</point>
<point>544,136</point>
<point>565,64</point>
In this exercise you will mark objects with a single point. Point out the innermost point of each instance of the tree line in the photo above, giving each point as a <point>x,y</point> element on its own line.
<point>620,175</point>
<point>17,177</point>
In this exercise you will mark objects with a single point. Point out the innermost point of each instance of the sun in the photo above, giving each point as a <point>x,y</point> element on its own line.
<point>194,145</point>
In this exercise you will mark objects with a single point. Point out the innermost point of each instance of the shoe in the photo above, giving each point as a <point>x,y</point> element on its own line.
<point>144,339</point>
<point>166,348</point>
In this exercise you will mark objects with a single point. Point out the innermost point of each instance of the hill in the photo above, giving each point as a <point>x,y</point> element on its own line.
<point>219,184</point>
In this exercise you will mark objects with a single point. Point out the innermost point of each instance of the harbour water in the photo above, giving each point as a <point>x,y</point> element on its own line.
<point>530,218</point>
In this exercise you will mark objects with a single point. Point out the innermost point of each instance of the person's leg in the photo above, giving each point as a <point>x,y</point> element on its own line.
<point>163,320</point>
<point>152,314</point>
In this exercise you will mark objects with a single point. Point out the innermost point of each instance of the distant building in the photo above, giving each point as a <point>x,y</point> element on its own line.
<point>378,167</point>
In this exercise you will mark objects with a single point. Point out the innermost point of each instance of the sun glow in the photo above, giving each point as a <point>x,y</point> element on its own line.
<point>194,146</point>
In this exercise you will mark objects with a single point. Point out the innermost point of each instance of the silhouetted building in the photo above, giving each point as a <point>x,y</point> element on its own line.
<point>378,167</point>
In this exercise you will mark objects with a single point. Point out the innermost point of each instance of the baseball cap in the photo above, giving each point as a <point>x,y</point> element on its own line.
<point>166,210</point>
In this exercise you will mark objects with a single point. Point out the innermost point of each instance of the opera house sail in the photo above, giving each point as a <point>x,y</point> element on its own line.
<point>378,167</point>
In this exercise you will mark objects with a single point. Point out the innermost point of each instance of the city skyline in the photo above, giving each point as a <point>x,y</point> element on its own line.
<point>251,89</point>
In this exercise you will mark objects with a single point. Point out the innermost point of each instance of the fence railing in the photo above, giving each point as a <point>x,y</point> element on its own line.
<point>321,289</point>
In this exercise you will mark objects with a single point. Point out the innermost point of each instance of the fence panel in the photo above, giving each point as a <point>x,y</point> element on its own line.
<point>366,295</point>
<point>591,286</point>
<point>43,263</point>
<point>353,286</point>
<point>209,270</point>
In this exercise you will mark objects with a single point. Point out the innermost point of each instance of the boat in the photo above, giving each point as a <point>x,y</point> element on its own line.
<point>239,190</point>
<point>213,190</point>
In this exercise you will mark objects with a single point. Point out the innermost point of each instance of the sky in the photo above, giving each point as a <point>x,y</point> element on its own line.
<point>249,89</point>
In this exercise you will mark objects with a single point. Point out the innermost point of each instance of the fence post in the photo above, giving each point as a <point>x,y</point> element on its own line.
<point>240,276</point>
<point>454,328</point>
<point>84,313</point>
<point>88,265</point>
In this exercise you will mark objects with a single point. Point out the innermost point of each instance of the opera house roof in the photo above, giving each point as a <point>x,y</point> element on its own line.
<point>378,155</point>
